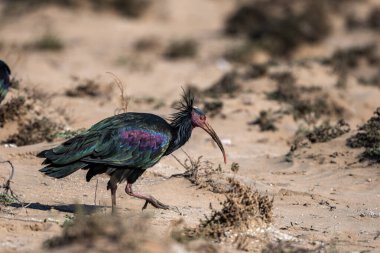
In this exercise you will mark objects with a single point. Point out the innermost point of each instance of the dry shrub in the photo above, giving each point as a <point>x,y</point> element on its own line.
<point>98,233</point>
<point>257,70</point>
<point>226,85</point>
<point>48,42</point>
<point>147,44</point>
<point>352,22</point>
<point>372,80</point>
<point>308,103</point>
<point>22,105</point>
<point>34,131</point>
<point>287,91</point>
<point>374,19</point>
<point>35,120</point>
<point>15,82</point>
<point>266,121</point>
<point>187,48</point>
<point>326,132</point>
<point>356,61</point>
<point>7,195</point>
<point>242,210</point>
<point>372,153</point>
<point>287,247</point>
<point>286,87</point>
<point>124,98</point>
<point>129,8</point>
<point>352,56</point>
<point>213,107</point>
<point>280,26</point>
<point>36,94</point>
<point>241,53</point>
<point>106,233</point>
<point>12,110</point>
<point>7,199</point>
<point>322,133</point>
<point>368,136</point>
<point>13,7</point>
<point>89,88</point>
<point>299,141</point>
<point>202,173</point>
<point>152,101</point>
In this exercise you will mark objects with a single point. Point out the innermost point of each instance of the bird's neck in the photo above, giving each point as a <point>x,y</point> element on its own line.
<point>181,133</point>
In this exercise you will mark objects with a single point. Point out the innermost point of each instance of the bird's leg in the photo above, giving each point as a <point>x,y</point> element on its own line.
<point>113,189</point>
<point>148,198</point>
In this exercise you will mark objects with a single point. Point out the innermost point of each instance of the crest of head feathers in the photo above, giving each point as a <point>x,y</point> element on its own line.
<point>184,108</point>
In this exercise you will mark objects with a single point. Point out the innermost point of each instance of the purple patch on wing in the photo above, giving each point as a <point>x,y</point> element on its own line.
<point>144,139</point>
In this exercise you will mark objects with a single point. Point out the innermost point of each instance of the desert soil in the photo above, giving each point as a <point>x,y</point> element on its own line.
<point>325,197</point>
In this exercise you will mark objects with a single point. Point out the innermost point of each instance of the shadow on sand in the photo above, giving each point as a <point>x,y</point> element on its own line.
<point>70,208</point>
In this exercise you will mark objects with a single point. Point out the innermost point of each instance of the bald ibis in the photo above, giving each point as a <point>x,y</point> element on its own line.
<point>125,145</point>
<point>4,80</point>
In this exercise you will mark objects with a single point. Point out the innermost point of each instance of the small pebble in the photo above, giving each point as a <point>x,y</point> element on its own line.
<point>226,142</point>
<point>246,100</point>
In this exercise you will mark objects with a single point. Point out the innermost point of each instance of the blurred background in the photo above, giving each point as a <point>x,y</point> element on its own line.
<point>174,43</point>
<point>73,52</point>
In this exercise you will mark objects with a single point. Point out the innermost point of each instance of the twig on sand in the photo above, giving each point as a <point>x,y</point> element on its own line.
<point>183,165</point>
<point>124,100</point>
<point>96,190</point>
<point>8,193</point>
<point>7,185</point>
<point>191,169</point>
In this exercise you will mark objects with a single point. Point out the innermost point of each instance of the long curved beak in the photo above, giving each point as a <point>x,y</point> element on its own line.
<point>206,126</point>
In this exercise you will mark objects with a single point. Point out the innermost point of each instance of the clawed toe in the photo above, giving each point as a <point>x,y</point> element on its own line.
<point>149,200</point>
<point>156,204</point>
<point>159,205</point>
<point>175,209</point>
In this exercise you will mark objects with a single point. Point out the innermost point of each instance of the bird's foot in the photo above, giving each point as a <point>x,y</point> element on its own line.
<point>154,202</point>
<point>149,200</point>
<point>157,204</point>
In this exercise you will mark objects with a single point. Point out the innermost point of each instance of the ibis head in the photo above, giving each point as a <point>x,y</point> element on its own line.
<point>199,119</point>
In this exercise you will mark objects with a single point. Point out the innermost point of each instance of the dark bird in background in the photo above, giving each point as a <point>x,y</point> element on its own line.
<point>5,83</point>
<point>125,145</point>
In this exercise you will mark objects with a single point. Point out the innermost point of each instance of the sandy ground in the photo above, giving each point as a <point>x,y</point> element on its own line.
<point>325,197</point>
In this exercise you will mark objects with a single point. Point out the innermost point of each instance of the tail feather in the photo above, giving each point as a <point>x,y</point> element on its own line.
<point>46,161</point>
<point>62,171</point>
<point>95,169</point>
<point>42,154</point>
<point>63,155</point>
